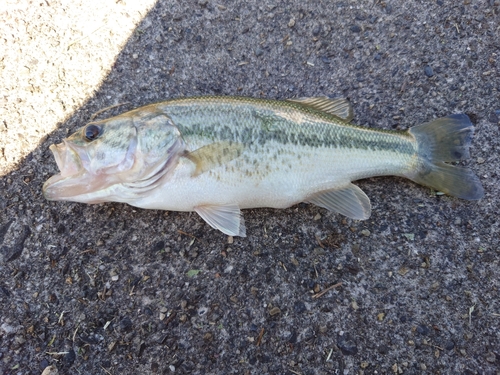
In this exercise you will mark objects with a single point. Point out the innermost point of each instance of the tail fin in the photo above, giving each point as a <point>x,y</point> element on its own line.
<point>446,139</point>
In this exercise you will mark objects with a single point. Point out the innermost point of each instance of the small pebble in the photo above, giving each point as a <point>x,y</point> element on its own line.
<point>493,117</point>
<point>299,307</point>
<point>274,311</point>
<point>491,357</point>
<point>126,324</point>
<point>135,56</point>
<point>347,347</point>
<point>383,349</point>
<point>51,370</point>
<point>69,358</point>
<point>403,270</point>
<point>291,23</point>
<point>480,160</point>
<point>428,71</point>
<point>355,28</point>
<point>423,329</point>
<point>44,364</point>
<point>365,232</point>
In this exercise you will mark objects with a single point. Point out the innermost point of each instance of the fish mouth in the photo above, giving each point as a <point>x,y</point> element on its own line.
<point>71,179</point>
<point>78,181</point>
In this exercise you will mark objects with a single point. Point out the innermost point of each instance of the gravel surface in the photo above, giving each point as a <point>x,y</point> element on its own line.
<point>109,289</point>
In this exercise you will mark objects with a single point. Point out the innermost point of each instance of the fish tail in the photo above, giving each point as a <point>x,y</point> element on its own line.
<point>443,140</point>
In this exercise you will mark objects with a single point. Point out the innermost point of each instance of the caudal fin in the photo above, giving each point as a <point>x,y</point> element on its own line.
<point>443,140</point>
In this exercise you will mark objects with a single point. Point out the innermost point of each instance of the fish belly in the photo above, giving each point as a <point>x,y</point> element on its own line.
<point>266,180</point>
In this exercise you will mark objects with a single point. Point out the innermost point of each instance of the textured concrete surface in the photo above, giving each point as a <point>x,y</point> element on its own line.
<point>109,289</point>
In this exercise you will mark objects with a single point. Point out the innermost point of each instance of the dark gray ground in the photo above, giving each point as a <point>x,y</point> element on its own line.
<point>110,285</point>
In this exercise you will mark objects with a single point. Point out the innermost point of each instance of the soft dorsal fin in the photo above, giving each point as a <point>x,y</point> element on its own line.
<point>213,155</point>
<point>350,201</point>
<point>226,218</point>
<point>338,107</point>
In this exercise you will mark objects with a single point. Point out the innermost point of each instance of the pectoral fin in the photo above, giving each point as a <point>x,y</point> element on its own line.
<point>228,218</point>
<point>350,201</point>
<point>214,155</point>
<point>338,107</point>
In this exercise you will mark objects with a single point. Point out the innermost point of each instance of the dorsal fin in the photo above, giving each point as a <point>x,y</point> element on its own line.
<point>338,107</point>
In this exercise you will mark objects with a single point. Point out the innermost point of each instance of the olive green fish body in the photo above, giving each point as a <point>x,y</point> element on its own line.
<point>289,152</point>
<point>217,155</point>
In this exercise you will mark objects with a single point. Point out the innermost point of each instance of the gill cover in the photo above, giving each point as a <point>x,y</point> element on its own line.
<point>123,149</point>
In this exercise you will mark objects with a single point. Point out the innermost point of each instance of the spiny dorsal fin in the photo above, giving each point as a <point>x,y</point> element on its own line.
<point>350,201</point>
<point>213,155</point>
<point>338,107</point>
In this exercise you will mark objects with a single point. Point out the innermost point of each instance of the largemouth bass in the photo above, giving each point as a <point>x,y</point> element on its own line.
<point>218,155</point>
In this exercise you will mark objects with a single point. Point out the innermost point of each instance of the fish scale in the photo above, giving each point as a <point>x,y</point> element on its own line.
<point>273,137</point>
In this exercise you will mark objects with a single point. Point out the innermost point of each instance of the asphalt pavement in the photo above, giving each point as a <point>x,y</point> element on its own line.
<point>111,289</point>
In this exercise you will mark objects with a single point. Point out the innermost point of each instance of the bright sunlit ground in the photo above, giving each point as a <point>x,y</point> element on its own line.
<point>55,55</point>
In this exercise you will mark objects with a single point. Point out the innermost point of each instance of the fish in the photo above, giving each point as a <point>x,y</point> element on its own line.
<point>218,155</point>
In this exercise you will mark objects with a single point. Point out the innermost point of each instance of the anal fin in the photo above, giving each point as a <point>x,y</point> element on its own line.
<point>349,201</point>
<point>226,218</point>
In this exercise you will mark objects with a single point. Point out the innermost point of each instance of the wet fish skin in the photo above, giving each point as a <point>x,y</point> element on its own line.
<point>218,155</point>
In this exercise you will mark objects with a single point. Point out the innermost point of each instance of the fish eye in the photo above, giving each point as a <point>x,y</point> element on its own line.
<point>92,132</point>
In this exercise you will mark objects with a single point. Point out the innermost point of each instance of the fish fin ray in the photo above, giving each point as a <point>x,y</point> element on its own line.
<point>349,201</point>
<point>213,155</point>
<point>226,218</point>
<point>443,140</point>
<point>338,107</point>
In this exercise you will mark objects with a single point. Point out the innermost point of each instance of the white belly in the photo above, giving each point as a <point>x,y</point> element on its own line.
<point>269,182</point>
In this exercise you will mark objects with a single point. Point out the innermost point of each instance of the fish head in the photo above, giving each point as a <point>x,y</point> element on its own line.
<point>123,149</point>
